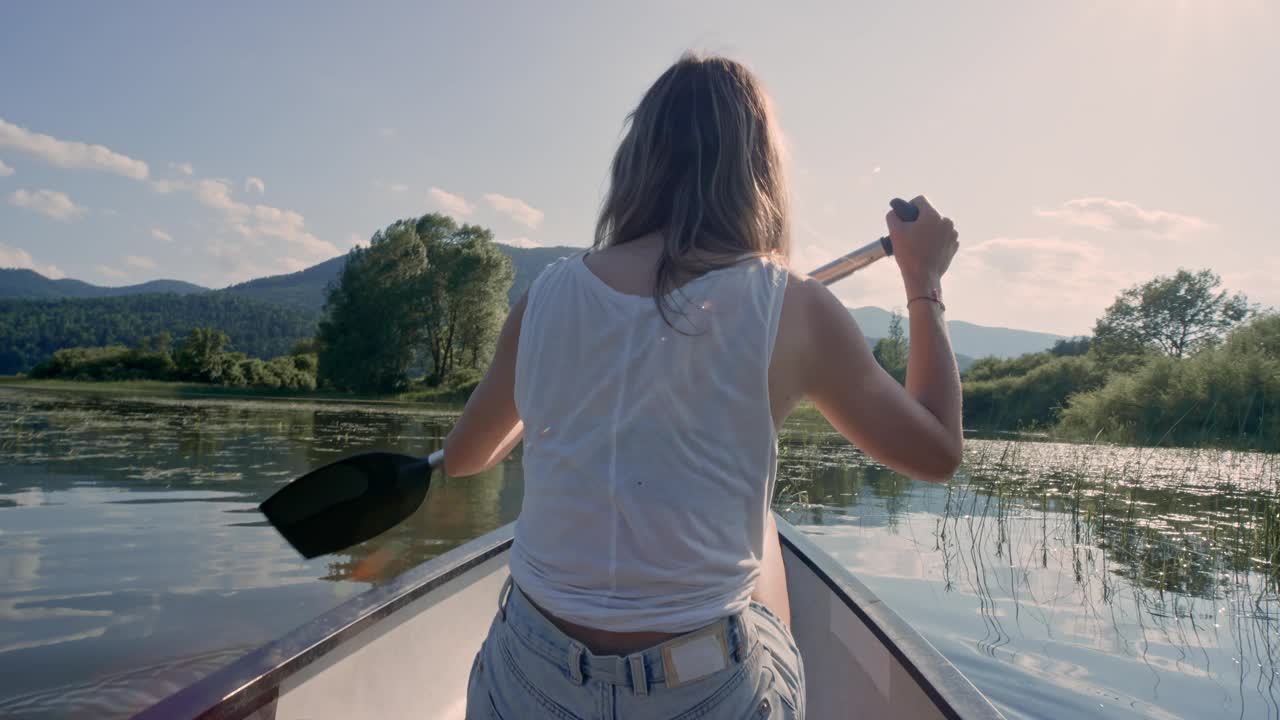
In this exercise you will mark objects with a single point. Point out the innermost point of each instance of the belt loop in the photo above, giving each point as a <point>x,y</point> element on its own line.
<point>503,596</point>
<point>575,662</point>
<point>639,680</point>
<point>744,636</point>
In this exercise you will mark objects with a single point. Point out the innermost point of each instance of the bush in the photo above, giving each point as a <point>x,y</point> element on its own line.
<point>1028,400</point>
<point>993,368</point>
<point>113,362</point>
<point>1225,395</point>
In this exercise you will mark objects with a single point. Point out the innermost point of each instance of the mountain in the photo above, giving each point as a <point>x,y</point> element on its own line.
<point>306,288</point>
<point>19,283</point>
<point>297,300</point>
<point>264,317</point>
<point>966,338</point>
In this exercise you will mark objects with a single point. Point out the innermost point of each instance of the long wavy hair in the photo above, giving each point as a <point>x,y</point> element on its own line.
<point>701,165</point>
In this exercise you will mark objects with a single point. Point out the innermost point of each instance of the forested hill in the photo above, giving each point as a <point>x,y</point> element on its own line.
<point>20,283</point>
<point>263,317</point>
<point>306,288</point>
<point>31,330</point>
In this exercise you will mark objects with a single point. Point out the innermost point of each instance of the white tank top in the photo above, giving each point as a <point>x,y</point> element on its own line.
<point>649,455</point>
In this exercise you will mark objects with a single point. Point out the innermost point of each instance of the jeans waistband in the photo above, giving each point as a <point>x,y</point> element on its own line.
<point>638,671</point>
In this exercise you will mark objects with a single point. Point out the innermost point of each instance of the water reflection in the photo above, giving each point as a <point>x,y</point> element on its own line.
<point>130,537</point>
<point>1068,580</point>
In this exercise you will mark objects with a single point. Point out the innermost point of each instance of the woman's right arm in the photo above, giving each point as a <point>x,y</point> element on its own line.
<point>915,430</point>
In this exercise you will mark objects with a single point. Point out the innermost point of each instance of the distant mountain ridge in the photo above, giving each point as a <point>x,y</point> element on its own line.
<point>306,288</point>
<point>303,294</point>
<point>23,284</point>
<point>966,338</point>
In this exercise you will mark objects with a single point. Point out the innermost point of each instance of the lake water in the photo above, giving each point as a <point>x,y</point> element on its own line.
<point>1063,580</point>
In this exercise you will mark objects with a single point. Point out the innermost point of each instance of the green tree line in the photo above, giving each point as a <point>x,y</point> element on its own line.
<point>422,304</point>
<point>32,330</point>
<point>200,357</point>
<point>1175,360</point>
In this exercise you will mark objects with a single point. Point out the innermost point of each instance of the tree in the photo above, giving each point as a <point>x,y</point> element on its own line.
<point>200,356</point>
<point>1175,316</point>
<point>1071,347</point>
<point>892,351</point>
<point>425,294</point>
<point>369,331</point>
<point>467,293</point>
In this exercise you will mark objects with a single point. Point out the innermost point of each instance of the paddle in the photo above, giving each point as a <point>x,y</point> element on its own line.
<point>360,497</point>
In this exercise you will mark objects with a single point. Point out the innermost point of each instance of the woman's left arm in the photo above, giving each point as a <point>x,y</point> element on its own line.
<point>490,427</point>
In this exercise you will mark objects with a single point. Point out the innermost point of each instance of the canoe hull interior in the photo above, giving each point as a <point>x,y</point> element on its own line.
<point>405,650</point>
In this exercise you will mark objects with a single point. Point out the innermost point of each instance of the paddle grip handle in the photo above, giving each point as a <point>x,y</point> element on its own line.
<point>906,212</point>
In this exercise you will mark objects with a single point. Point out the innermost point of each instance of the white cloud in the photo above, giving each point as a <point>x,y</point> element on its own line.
<point>141,262</point>
<point>1105,214</point>
<point>161,235</point>
<point>1038,283</point>
<point>521,242</point>
<point>216,194</point>
<point>185,168</point>
<point>71,154</point>
<point>109,272</point>
<point>5,170</point>
<point>515,208</point>
<point>47,202</point>
<point>448,202</point>
<point>253,222</point>
<point>289,226</point>
<point>387,132</point>
<point>255,185</point>
<point>12,257</point>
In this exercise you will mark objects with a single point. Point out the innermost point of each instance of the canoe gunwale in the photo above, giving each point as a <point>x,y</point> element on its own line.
<point>951,692</point>
<point>253,681</point>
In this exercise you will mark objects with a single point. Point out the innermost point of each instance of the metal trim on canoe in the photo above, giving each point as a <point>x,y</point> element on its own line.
<point>951,692</point>
<point>252,682</point>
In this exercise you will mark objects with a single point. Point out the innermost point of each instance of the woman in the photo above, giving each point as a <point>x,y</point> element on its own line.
<point>647,377</point>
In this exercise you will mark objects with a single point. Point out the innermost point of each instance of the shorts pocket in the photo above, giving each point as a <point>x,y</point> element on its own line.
<point>479,701</point>
<point>515,694</point>
<point>783,660</point>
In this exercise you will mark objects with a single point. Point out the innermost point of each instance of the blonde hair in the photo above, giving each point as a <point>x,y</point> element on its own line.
<point>701,164</point>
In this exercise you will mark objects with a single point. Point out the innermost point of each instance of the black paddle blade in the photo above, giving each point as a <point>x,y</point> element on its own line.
<point>348,502</point>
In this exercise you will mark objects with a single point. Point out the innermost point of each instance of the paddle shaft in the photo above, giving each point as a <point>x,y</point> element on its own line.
<point>846,265</point>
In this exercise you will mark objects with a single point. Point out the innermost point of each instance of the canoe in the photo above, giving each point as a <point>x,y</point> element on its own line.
<point>404,649</point>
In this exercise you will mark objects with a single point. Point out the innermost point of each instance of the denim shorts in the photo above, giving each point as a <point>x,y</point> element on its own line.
<point>528,668</point>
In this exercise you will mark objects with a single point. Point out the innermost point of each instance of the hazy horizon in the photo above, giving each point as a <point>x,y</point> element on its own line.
<point>1080,148</point>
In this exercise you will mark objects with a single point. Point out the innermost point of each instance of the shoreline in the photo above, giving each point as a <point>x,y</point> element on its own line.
<point>173,389</point>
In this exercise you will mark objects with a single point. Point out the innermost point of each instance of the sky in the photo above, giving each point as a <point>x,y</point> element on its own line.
<point>1080,147</point>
